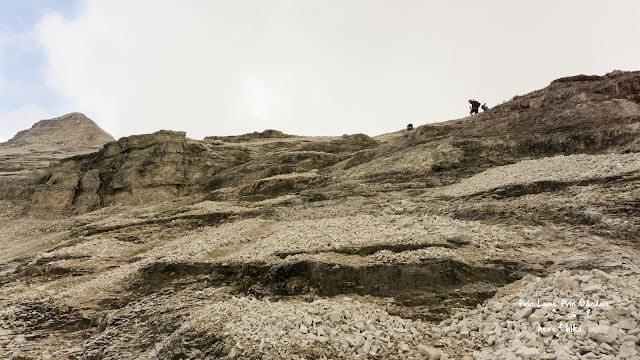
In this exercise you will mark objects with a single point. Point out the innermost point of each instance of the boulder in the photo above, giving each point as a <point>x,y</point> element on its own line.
<point>603,333</point>
<point>429,352</point>
<point>528,352</point>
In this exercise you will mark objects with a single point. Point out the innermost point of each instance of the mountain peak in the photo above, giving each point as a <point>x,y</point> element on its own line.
<point>74,129</point>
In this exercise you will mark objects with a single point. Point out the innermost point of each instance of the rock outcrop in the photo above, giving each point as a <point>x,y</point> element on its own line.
<point>574,115</point>
<point>143,169</point>
<point>25,157</point>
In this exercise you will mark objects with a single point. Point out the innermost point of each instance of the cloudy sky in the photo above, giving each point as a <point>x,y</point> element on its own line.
<point>308,67</point>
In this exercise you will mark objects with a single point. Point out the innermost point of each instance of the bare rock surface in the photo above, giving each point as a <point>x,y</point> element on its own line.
<point>50,140</point>
<point>508,235</point>
<point>29,152</point>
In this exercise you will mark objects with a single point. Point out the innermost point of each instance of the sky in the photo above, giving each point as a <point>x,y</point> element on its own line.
<point>305,67</point>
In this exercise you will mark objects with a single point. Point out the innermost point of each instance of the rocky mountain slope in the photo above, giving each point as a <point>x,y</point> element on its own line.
<point>445,242</point>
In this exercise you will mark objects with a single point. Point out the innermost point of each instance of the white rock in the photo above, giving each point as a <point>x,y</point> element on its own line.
<point>308,320</point>
<point>634,331</point>
<point>603,333</point>
<point>611,315</point>
<point>366,347</point>
<point>451,328</point>
<point>335,317</point>
<point>565,283</point>
<point>321,331</point>
<point>303,329</point>
<point>522,314</point>
<point>628,323</point>
<point>497,306</point>
<point>601,274</point>
<point>491,340</point>
<point>631,338</point>
<point>515,344</point>
<point>606,347</point>
<point>593,288</point>
<point>628,349</point>
<point>528,352</point>
<point>498,331</point>
<point>457,238</point>
<point>430,353</point>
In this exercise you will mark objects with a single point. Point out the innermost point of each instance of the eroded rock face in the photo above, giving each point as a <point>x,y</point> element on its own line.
<point>143,169</point>
<point>24,158</point>
<point>132,170</point>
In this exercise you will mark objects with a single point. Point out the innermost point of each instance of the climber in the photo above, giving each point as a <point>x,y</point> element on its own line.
<point>485,107</point>
<point>409,128</point>
<point>474,106</point>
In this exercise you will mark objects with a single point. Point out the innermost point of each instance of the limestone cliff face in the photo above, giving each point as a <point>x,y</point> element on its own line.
<point>143,169</point>
<point>133,170</point>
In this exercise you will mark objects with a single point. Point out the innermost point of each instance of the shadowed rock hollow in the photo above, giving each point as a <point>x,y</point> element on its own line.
<point>275,246</point>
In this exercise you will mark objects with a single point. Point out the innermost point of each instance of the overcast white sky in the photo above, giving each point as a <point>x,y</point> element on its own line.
<point>325,67</point>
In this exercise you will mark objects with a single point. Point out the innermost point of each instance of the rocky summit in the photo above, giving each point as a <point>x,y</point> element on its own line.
<point>24,158</point>
<point>512,234</point>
